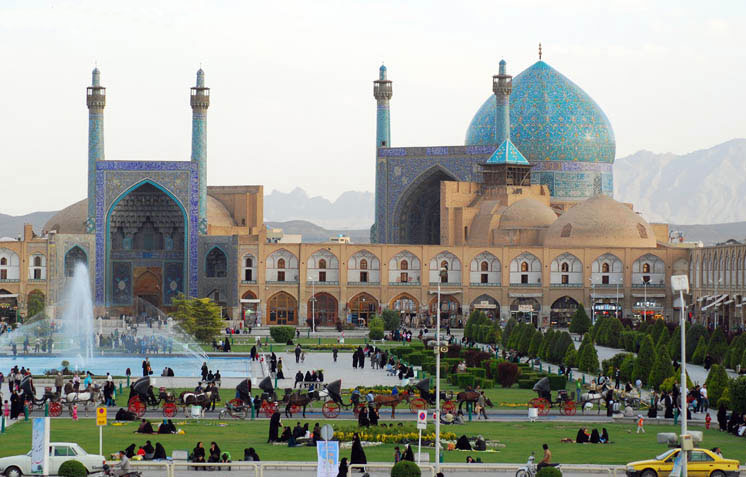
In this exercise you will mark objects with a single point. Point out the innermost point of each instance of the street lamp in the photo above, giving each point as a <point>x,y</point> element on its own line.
<point>443,277</point>
<point>593,311</point>
<point>645,295</point>
<point>313,304</point>
<point>680,283</point>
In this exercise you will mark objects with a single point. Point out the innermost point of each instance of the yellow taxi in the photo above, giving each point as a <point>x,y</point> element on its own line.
<point>700,463</point>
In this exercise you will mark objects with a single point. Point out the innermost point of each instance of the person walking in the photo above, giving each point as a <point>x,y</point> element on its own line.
<point>297,353</point>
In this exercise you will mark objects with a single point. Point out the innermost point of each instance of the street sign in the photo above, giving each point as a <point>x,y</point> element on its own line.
<point>101,416</point>
<point>327,432</point>
<point>421,419</point>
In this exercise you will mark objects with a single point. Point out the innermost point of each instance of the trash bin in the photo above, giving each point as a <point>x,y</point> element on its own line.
<point>533,414</point>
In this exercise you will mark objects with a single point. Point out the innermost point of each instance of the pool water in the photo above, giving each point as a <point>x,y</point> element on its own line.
<point>117,365</point>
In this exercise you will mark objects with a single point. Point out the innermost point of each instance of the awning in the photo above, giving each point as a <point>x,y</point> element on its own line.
<point>607,295</point>
<point>484,306</point>
<point>250,300</point>
<point>9,295</point>
<point>701,298</point>
<point>720,298</point>
<point>443,292</point>
<point>728,302</point>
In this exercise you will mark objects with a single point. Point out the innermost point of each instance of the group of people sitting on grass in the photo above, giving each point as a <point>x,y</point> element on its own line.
<point>593,437</point>
<point>200,456</point>
<point>146,452</point>
<point>166,427</point>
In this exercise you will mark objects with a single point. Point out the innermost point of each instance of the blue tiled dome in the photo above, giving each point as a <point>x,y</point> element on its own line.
<point>551,119</point>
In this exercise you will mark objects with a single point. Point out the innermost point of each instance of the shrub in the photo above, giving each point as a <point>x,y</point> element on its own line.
<point>655,331</point>
<point>533,348</point>
<point>557,382</point>
<point>645,359</point>
<point>72,468</point>
<point>674,345</point>
<point>405,468</point>
<point>526,338</point>
<point>717,345</point>
<point>464,380</point>
<point>737,394</point>
<point>628,367</point>
<point>282,334</point>
<point>391,320</point>
<point>614,333</point>
<point>580,322</point>
<point>549,472</point>
<point>716,382</point>
<point>571,357</point>
<point>477,372</point>
<point>700,352</point>
<point>560,347</point>
<point>508,330</point>
<point>507,374</point>
<point>662,369</point>
<point>376,328</point>
<point>692,339</point>
<point>588,359</point>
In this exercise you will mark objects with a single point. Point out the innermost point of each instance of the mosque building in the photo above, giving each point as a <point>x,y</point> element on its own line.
<point>519,222</point>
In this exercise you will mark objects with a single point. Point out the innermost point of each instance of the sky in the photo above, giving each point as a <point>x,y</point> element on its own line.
<point>291,81</point>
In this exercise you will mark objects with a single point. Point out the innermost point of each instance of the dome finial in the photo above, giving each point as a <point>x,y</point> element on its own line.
<point>382,72</point>
<point>539,51</point>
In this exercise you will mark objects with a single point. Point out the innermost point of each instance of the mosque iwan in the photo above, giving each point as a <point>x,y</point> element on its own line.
<point>519,221</point>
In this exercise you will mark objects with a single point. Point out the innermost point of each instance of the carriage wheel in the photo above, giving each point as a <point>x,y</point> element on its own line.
<point>269,408</point>
<point>330,410</point>
<point>138,408</point>
<point>132,400</point>
<point>169,409</point>
<point>448,407</point>
<point>568,408</point>
<point>235,403</point>
<point>543,407</point>
<point>55,409</point>
<point>359,408</point>
<point>417,404</point>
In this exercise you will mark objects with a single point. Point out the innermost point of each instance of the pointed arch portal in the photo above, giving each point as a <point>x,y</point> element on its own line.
<point>418,211</point>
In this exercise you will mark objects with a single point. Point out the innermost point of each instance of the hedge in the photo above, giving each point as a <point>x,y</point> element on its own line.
<point>557,382</point>
<point>282,334</point>
<point>405,468</point>
<point>465,380</point>
<point>72,468</point>
<point>477,372</point>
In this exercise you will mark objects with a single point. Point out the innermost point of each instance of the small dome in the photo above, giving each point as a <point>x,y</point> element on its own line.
<point>71,219</point>
<point>527,214</point>
<point>600,221</point>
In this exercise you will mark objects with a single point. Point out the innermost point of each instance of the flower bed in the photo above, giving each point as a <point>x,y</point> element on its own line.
<point>390,435</point>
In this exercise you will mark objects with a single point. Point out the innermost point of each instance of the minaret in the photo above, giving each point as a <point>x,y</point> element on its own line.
<point>502,86</point>
<point>382,91</point>
<point>96,101</point>
<point>200,101</point>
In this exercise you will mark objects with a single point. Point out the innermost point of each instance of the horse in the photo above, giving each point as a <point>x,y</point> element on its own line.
<point>298,399</point>
<point>381,400</point>
<point>470,397</point>
<point>191,398</point>
<point>91,395</point>
<point>592,398</point>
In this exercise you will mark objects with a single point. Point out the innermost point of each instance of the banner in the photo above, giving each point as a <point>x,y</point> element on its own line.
<point>40,446</point>
<point>677,466</point>
<point>328,458</point>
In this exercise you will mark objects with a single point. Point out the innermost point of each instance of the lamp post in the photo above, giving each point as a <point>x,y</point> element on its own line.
<point>443,275</point>
<point>593,311</point>
<point>313,305</point>
<point>645,299</point>
<point>680,283</point>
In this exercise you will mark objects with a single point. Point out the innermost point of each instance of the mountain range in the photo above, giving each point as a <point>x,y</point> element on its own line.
<point>704,190</point>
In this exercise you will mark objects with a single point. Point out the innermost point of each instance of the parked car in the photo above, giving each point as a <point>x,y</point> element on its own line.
<point>59,452</point>
<point>700,463</point>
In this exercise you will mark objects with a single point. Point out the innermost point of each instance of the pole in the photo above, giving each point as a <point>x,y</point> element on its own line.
<point>645,305</point>
<point>437,384</point>
<point>419,447</point>
<point>100,440</point>
<point>683,381</point>
<point>313,306</point>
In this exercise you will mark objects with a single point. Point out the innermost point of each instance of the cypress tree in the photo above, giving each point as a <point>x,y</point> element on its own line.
<point>509,326</point>
<point>571,357</point>
<point>588,359</point>
<point>700,352</point>
<point>645,359</point>
<point>533,349</point>
<point>674,345</point>
<point>580,322</point>
<point>717,381</point>
<point>692,339</point>
<point>717,345</point>
<point>662,369</point>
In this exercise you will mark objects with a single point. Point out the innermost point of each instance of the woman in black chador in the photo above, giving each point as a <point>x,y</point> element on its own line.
<point>274,427</point>
<point>357,455</point>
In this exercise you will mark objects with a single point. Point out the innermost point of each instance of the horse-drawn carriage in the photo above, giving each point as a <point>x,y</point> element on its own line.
<point>142,397</point>
<point>427,398</point>
<point>334,404</point>
<point>51,397</point>
<point>240,406</point>
<point>544,402</point>
<point>268,397</point>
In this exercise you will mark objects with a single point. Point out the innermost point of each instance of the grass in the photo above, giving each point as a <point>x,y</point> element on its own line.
<point>269,345</point>
<point>519,438</point>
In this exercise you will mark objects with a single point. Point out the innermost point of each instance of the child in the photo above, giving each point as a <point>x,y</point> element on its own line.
<point>6,410</point>
<point>708,419</point>
<point>640,424</point>
<point>75,412</point>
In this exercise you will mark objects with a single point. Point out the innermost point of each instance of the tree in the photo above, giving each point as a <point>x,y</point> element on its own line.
<point>507,373</point>
<point>614,333</point>
<point>391,319</point>
<point>526,337</point>
<point>628,367</point>
<point>700,352</point>
<point>737,394</point>
<point>674,345</point>
<point>546,344</point>
<point>562,342</point>
<point>35,303</point>
<point>571,357</point>
<point>588,359</point>
<point>645,359</point>
<point>692,338</point>
<point>509,326</point>
<point>533,349</point>
<point>585,342</point>
<point>717,345</point>
<point>662,369</point>
<point>200,317</point>
<point>716,382</point>
<point>476,318</point>
<point>375,328</point>
<point>655,331</point>
<point>580,323</point>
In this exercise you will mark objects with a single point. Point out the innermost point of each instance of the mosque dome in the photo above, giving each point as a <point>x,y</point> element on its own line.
<point>527,214</point>
<point>71,219</point>
<point>600,221</point>
<point>551,119</point>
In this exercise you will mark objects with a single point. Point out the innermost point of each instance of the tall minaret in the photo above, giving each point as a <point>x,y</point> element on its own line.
<point>382,91</point>
<point>200,101</point>
<point>502,86</point>
<point>96,101</point>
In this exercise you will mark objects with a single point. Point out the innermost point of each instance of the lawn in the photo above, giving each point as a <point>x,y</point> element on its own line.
<point>519,439</point>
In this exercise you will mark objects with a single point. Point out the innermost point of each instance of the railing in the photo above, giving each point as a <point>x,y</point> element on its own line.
<point>607,285</point>
<point>528,285</point>
<point>447,284</point>
<point>649,285</point>
<point>480,284</point>
<point>173,468</point>
<point>321,284</point>
<point>566,285</point>
<point>285,282</point>
<point>404,284</point>
<point>37,280</point>
<point>10,280</point>
<point>248,282</point>
<point>363,284</point>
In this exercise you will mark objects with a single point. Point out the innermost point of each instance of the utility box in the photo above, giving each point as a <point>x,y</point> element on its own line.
<point>687,443</point>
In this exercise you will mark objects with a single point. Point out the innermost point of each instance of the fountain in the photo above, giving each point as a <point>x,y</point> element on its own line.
<point>77,315</point>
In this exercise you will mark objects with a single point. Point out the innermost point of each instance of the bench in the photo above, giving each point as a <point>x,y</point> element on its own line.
<point>179,455</point>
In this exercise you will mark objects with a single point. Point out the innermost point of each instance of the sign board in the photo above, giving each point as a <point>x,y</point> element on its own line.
<point>327,453</point>
<point>40,446</point>
<point>421,419</point>
<point>526,308</point>
<point>100,416</point>
<point>327,432</point>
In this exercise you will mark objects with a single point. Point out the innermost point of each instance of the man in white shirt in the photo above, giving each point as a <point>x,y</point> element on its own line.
<point>703,395</point>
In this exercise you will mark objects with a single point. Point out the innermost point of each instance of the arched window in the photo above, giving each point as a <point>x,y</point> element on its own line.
<point>604,268</point>
<point>249,263</point>
<point>363,264</point>
<point>322,263</point>
<point>524,266</point>
<point>37,261</point>
<point>565,267</point>
<point>484,266</point>
<point>216,265</point>
<point>281,263</point>
<point>444,264</point>
<point>645,268</point>
<point>3,261</point>
<point>74,256</point>
<point>404,265</point>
